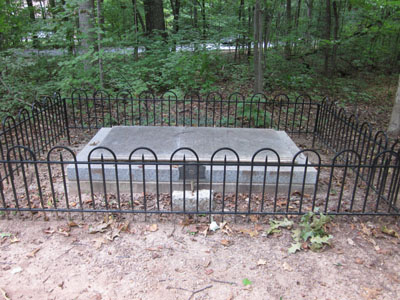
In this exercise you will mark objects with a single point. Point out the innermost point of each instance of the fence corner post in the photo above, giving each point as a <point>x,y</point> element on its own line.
<point>66,120</point>
<point>315,131</point>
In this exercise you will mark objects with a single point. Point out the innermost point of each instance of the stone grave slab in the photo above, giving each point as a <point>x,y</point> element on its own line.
<point>205,141</point>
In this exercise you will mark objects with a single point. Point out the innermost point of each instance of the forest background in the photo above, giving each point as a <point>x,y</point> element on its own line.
<point>347,49</point>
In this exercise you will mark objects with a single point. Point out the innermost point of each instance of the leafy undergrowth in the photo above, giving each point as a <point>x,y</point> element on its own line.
<point>311,233</point>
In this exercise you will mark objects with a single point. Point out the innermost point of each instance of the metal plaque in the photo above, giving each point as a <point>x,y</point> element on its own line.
<point>191,172</point>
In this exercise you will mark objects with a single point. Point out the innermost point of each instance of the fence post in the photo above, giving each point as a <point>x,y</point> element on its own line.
<point>315,132</point>
<point>66,120</point>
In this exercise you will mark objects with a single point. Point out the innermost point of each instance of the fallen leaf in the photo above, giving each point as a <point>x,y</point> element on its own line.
<point>359,261</point>
<point>98,228</point>
<point>112,235</point>
<point>371,293</point>
<point>226,243</point>
<point>124,227</point>
<point>49,231</point>
<point>208,262</point>
<point>390,232</point>
<point>209,271</point>
<point>205,231</point>
<point>153,228</point>
<point>251,233</point>
<point>14,239</point>
<point>222,225</point>
<point>254,218</point>
<point>261,262</point>
<point>365,230</point>
<point>99,242</point>
<point>73,224</point>
<point>287,267</point>
<point>33,253</point>
<point>294,248</point>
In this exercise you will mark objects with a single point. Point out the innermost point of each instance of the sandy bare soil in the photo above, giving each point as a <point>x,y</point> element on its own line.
<point>173,258</point>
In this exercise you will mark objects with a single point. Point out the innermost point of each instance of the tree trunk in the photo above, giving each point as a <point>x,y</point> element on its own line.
<point>86,27</point>
<point>154,16</point>
<point>258,69</point>
<point>309,16</point>
<point>176,6</point>
<point>289,28</point>
<point>327,36</point>
<point>394,124</point>
<point>335,35</point>
<point>238,38</point>
<point>138,17</point>
<point>100,22</point>
<point>249,33</point>
<point>136,29</point>
<point>195,21</point>
<point>32,17</point>
<point>203,15</point>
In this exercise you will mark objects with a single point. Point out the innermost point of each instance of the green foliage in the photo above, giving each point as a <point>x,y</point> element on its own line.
<point>191,58</point>
<point>274,226</point>
<point>312,231</point>
<point>246,282</point>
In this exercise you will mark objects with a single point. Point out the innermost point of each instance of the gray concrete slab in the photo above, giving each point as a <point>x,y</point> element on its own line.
<point>165,140</point>
<point>122,140</point>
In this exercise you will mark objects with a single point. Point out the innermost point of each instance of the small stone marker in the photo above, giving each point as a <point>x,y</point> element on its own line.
<point>191,200</point>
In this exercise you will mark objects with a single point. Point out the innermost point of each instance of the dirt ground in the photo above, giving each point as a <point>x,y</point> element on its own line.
<point>175,258</point>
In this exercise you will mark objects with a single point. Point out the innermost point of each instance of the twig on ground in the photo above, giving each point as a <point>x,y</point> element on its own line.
<point>177,288</point>
<point>173,231</point>
<point>3,292</point>
<point>200,290</point>
<point>65,252</point>
<point>222,281</point>
<point>46,279</point>
<point>193,292</point>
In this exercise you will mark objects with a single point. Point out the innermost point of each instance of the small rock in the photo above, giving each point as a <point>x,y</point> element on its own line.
<point>16,270</point>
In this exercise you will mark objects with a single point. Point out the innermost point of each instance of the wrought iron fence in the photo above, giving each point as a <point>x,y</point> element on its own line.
<point>362,177</point>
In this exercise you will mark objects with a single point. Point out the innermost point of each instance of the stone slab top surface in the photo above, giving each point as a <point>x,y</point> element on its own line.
<point>122,140</point>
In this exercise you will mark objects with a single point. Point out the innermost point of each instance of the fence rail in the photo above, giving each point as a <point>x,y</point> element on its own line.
<point>362,177</point>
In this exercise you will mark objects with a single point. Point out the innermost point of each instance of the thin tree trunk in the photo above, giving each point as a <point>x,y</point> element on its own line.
<point>237,38</point>
<point>394,124</point>
<point>136,29</point>
<point>258,69</point>
<point>203,14</point>
<point>335,35</point>
<point>289,28</point>
<point>309,16</point>
<point>327,36</point>
<point>249,33</point>
<point>100,22</point>
<point>31,9</point>
<point>175,5</point>
<point>195,21</point>
<point>42,10</point>
<point>86,26</point>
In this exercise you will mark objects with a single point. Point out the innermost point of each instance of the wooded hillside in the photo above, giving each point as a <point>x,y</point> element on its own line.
<point>336,47</point>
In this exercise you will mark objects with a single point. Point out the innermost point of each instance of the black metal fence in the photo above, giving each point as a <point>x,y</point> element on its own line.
<point>36,175</point>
